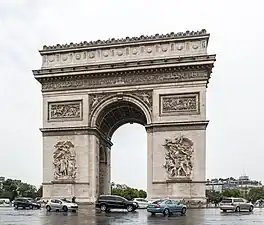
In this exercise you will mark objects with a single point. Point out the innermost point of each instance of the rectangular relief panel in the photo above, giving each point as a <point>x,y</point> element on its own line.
<point>180,104</point>
<point>65,110</point>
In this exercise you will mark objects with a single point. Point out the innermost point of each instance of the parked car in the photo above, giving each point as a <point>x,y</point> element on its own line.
<point>235,204</point>
<point>26,203</point>
<point>141,203</point>
<point>61,204</point>
<point>167,207</point>
<point>108,202</point>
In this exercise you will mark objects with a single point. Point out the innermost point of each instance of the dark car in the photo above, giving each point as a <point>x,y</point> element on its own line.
<point>108,202</point>
<point>26,203</point>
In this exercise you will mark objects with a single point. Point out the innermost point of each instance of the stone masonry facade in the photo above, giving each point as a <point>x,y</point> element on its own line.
<point>90,89</point>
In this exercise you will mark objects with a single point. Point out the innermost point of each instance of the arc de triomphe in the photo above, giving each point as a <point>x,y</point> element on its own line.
<point>90,89</point>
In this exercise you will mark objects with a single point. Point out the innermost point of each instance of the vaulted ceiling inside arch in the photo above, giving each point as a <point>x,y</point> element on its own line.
<point>117,114</point>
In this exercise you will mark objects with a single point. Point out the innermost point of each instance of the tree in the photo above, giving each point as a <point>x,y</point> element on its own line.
<point>142,194</point>
<point>40,191</point>
<point>214,196</point>
<point>13,188</point>
<point>232,193</point>
<point>129,193</point>
<point>255,193</point>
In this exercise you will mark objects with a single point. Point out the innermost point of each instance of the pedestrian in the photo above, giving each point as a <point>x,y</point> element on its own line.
<point>73,199</point>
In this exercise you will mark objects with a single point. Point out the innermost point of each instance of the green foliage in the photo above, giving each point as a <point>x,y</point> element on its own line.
<point>40,191</point>
<point>232,193</point>
<point>214,196</point>
<point>14,188</point>
<point>129,193</point>
<point>255,194</point>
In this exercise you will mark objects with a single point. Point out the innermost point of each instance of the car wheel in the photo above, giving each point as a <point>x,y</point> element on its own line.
<point>153,214</point>
<point>183,211</point>
<point>224,210</point>
<point>103,208</point>
<point>74,210</point>
<point>166,212</point>
<point>48,208</point>
<point>237,209</point>
<point>130,208</point>
<point>251,208</point>
<point>31,207</point>
<point>65,209</point>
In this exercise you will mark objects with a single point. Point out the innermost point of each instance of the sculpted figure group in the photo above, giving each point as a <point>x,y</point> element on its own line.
<point>178,159</point>
<point>64,160</point>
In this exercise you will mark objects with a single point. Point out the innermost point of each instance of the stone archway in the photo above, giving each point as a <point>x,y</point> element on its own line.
<point>107,116</point>
<point>90,89</point>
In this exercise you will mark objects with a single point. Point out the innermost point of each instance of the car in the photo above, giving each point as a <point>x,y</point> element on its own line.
<point>61,205</point>
<point>107,202</point>
<point>26,203</point>
<point>235,204</point>
<point>141,202</point>
<point>166,207</point>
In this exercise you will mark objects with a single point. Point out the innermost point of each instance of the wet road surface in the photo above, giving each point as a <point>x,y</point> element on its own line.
<point>87,215</point>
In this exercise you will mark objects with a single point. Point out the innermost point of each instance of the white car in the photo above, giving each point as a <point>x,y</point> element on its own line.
<point>59,204</point>
<point>141,203</point>
<point>236,204</point>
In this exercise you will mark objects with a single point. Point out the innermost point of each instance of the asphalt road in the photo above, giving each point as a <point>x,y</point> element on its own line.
<point>87,215</point>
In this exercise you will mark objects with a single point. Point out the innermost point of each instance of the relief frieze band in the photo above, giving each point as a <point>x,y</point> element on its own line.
<point>144,47</point>
<point>65,110</point>
<point>125,79</point>
<point>180,104</point>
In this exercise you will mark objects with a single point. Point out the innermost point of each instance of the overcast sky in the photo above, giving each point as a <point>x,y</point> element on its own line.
<point>235,93</point>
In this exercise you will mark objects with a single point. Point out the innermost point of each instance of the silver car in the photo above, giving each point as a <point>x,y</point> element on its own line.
<point>236,204</point>
<point>61,204</point>
<point>141,203</point>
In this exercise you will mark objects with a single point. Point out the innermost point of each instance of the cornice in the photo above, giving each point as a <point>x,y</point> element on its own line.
<point>124,41</point>
<point>177,126</point>
<point>78,130</point>
<point>183,63</point>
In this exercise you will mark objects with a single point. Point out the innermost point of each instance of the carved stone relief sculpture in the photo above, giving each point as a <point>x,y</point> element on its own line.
<point>180,104</point>
<point>178,158</point>
<point>65,110</point>
<point>64,160</point>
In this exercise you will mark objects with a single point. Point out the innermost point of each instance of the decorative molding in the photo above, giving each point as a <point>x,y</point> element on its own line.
<point>144,95</point>
<point>180,104</point>
<point>126,40</point>
<point>186,63</point>
<point>177,126</point>
<point>127,80</point>
<point>178,158</point>
<point>174,181</point>
<point>65,182</point>
<point>64,161</point>
<point>65,110</point>
<point>144,47</point>
<point>70,131</point>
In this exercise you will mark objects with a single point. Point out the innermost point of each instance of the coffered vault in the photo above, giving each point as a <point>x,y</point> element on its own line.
<point>90,89</point>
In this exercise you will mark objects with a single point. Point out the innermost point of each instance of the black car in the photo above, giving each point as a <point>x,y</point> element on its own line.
<point>107,202</point>
<point>26,203</point>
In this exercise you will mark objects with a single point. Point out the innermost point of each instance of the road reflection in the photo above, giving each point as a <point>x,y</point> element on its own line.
<point>88,215</point>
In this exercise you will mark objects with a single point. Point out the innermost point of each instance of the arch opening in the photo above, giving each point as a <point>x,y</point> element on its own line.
<point>117,114</point>
<point>108,119</point>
